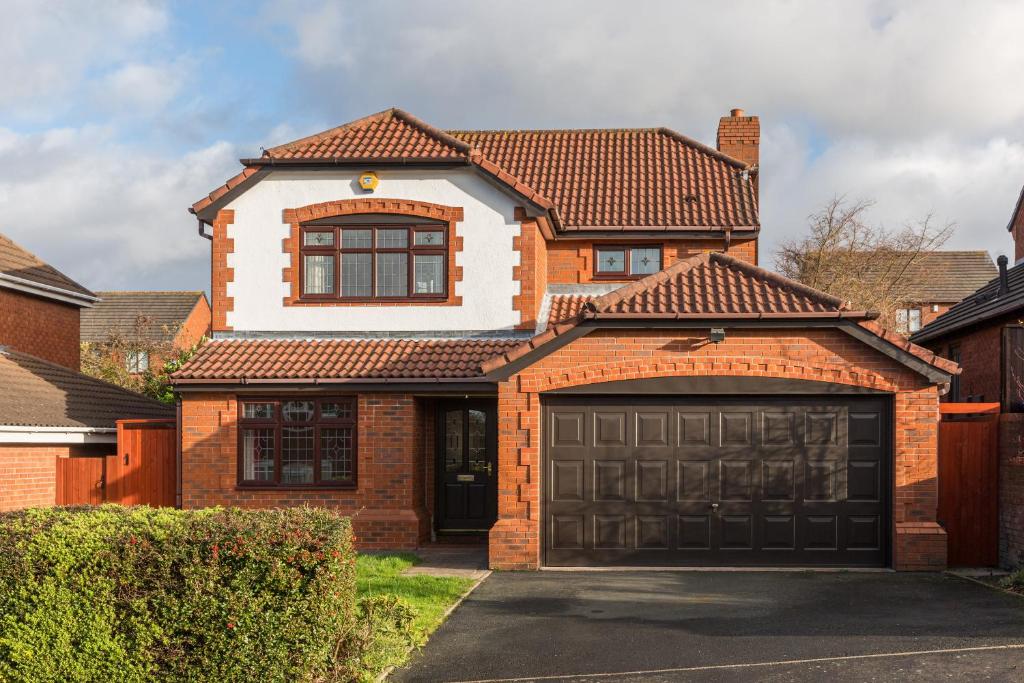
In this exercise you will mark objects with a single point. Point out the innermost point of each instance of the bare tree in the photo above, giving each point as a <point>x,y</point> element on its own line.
<point>867,265</point>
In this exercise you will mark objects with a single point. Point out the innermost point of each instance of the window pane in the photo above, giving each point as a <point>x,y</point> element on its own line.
<point>258,454</point>
<point>297,455</point>
<point>356,239</point>
<point>319,274</point>
<point>356,276</point>
<point>427,238</point>
<point>453,441</point>
<point>336,453</point>
<point>644,260</point>
<point>318,239</point>
<point>336,410</point>
<point>137,361</point>
<point>915,319</point>
<point>258,411</point>
<point>611,260</point>
<point>901,320</point>
<point>392,238</point>
<point>477,441</point>
<point>429,273</point>
<point>297,411</point>
<point>392,274</point>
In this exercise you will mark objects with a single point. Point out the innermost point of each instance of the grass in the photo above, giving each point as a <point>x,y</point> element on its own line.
<point>1014,582</point>
<point>430,597</point>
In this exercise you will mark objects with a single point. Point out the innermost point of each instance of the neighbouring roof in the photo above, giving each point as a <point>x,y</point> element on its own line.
<point>715,286</point>
<point>607,179</point>
<point>18,263</point>
<point>984,304</point>
<point>37,393</point>
<point>938,277</point>
<point>150,316</point>
<point>341,359</point>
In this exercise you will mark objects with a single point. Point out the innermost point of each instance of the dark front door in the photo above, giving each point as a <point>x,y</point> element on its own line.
<point>467,465</point>
<point>717,481</point>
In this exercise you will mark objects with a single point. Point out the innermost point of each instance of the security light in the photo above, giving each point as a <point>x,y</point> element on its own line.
<point>717,335</point>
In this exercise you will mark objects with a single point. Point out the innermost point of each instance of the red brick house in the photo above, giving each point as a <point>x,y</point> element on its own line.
<point>558,338</point>
<point>48,410</point>
<point>156,320</point>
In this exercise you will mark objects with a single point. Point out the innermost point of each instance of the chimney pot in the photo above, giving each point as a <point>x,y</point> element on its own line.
<point>736,113</point>
<point>1004,278</point>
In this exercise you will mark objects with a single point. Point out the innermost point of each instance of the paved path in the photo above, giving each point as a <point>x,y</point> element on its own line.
<point>727,626</point>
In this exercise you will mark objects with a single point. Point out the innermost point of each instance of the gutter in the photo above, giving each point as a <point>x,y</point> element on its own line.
<point>316,381</point>
<point>54,435</point>
<point>49,291</point>
<point>822,315</point>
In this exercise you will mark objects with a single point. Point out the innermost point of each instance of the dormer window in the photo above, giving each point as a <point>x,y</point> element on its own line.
<point>378,260</point>
<point>621,262</point>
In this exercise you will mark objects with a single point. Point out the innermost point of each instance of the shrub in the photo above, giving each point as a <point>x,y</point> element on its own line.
<point>383,627</point>
<point>130,594</point>
<point>1015,581</point>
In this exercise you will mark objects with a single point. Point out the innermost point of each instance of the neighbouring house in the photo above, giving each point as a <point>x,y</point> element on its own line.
<point>939,280</point>
<point>560,339</point>
<point>48,410</point>
<point>984,334</point>
<point>148,326</point>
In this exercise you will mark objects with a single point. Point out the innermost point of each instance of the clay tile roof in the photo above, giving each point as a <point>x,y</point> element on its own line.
<point>715,284</point>
<point>607,179</point>
<point>941,276</point>
<point>17,262</point>
<point>390,134</point>
<point>153,316</point>
<point>566,306</point>
<point>632,178</point>
<point>342,359</point>
<point>38,393</point>
<point>712,286</point>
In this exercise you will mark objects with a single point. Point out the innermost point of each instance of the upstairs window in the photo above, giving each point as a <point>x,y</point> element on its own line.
<point>908,320</point>
<point>386,262</point>
<point>626,261</point>
<point>136,361</point>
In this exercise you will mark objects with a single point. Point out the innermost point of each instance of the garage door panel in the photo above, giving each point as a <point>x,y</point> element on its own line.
<point>786,481</point>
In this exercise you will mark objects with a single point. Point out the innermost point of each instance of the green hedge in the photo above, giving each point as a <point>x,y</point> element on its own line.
<point>130,594</point>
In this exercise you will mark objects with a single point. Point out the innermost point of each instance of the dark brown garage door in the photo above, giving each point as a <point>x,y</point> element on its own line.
<point>716,482</point>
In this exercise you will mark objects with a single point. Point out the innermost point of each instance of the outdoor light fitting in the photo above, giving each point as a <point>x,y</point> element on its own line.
<point>717,335</point>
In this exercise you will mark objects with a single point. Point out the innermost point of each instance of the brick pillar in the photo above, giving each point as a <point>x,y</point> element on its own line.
<point>739,136</point>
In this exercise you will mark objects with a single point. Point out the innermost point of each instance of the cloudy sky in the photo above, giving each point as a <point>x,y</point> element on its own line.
<point>114,117</point>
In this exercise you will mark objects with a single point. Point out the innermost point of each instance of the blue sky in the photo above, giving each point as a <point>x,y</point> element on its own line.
<point>115,116</point>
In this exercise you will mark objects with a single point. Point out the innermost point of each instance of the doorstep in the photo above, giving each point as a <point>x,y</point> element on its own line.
<point>466,561</point>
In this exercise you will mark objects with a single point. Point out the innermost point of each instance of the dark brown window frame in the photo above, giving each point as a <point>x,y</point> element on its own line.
<point>411,250</point>
<point>627,247</point>
<point>277,424</point>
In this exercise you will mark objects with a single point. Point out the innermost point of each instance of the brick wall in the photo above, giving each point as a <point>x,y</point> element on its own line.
<point>980,361</point>
<point>531,273</point>
<point>824,355</point>
<point>220,275</point>
<point>572,261</point>
<point>41,327</point>
<point>1017,230</point>
<point>28,475</point>
<point>388,504</point>
<point>196,326</point>
<point>1011,490</point>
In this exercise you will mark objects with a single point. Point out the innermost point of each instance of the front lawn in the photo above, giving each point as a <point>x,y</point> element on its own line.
<point>429,596</point>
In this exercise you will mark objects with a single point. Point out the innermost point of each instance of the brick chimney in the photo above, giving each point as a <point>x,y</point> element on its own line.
<point>739,136</point>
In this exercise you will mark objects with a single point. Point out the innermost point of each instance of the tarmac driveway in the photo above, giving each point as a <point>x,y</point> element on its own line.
<point>726,626</point>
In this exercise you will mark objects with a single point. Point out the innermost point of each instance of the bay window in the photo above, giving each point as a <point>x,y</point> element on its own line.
<point>297,442</point>
<point>374,262</point>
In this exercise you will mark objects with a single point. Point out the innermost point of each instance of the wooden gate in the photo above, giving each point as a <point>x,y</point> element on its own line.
<point>969,482</point>
<point>144,471</point>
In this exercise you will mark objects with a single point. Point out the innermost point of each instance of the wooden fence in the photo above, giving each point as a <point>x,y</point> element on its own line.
<point>969,482</point>
<point>144,471</point>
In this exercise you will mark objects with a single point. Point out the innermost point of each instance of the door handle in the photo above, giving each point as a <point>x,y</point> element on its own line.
<point>489,466</point>
<point>714,507</point>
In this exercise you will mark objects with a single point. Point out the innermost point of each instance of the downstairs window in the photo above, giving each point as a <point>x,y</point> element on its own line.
<point>297,442</point>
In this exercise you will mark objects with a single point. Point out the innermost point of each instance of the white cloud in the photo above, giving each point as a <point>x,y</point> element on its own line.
<point>142,88</point>
<point>109,214</point>
<point>47,49</point>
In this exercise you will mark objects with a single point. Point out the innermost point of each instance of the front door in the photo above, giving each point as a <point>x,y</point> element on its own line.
<point>467,465</point>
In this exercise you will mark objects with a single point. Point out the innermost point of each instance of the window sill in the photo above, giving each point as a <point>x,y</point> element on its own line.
<point>379,300</point>
<point>297,487</point>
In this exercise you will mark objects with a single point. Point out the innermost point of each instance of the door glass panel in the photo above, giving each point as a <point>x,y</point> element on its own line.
<point>453,441</point>
<point>477,441</point>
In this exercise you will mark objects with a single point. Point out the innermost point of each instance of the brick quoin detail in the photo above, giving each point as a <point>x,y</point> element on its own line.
<point>572,261</point>
<point>347,207</point>
<point>222,275</point>
<point>531,273</point>
<point>821,355</point>
<point>387,507</point>
<point>40,327</point>
<point>29,476</point>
